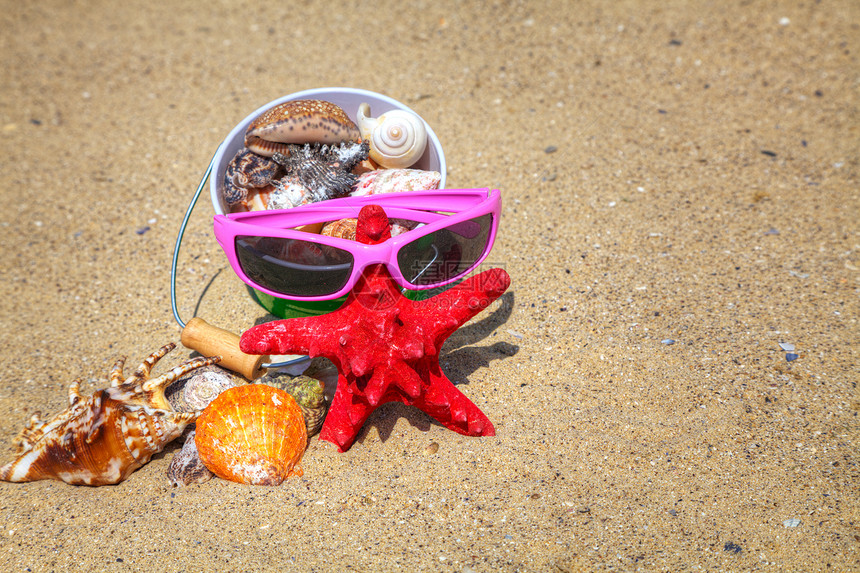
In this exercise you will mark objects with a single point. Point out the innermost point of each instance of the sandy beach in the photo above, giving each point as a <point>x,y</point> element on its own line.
<point>680,198</point>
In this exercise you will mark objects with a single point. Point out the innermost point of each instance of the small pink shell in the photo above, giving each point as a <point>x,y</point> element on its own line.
<point>396,180</point>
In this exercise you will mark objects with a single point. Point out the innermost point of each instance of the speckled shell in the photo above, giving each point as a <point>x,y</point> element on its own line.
<point>321,180</point>
<point>253,434</point>
<point>194,392</point>
<point>342,229</point>
<point>397,138</point>
<point>186,468</point>
<point>248,170</point>
<point>344,156</point>
<point>309,394</point>
<point>103,438</point>
<point>396,180</point>
<point>299,121</point>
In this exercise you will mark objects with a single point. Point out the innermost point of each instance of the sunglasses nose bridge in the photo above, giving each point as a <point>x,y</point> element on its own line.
<point>371,255</point>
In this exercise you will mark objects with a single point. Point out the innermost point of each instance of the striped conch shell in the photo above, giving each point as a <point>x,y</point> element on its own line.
<point>299,121</point>
<point>397,137</point>
<point>103,438</point>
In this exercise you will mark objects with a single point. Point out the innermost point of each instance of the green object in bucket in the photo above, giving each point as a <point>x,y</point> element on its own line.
<point>284,308</point>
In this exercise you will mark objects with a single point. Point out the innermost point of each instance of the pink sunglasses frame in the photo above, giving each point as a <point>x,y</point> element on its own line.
<point>421,206</point>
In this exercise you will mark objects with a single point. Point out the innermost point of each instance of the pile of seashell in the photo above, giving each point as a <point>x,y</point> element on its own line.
<point>102,438</point>
<point>209,448</point>
<point>305,151</point>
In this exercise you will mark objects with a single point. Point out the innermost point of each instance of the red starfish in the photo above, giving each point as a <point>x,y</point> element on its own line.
<point>385,346</point>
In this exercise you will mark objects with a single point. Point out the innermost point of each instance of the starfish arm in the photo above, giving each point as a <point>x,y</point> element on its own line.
<point>291,336</point>
<point>346,415</point>
<point>451,408</point>
<point>409,384</point>
<point>396,381</point>
<point>454,307</point>
<point>377,386</point>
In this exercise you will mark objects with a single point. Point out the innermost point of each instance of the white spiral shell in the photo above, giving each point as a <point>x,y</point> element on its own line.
<point>397,137</point>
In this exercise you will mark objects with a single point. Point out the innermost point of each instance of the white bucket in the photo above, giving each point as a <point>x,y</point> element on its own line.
<point>348,99</point>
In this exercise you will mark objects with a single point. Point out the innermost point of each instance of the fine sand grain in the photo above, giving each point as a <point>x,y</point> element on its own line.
<point>680,187</point>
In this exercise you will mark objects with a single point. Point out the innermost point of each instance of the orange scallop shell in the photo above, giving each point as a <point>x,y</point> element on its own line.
<point>253,434</point>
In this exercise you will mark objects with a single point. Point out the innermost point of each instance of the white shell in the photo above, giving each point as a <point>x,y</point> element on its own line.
<point>289,192</point>
<point>397,137</point>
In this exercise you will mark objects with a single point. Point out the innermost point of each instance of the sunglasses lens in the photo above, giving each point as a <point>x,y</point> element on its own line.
<point>294,267</point>
<point>445,254</point>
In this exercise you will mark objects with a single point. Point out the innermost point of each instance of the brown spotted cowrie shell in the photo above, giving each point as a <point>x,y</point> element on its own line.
<point>299,121</point>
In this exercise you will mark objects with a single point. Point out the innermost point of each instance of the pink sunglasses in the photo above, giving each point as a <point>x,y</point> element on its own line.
<point>456,231</point>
